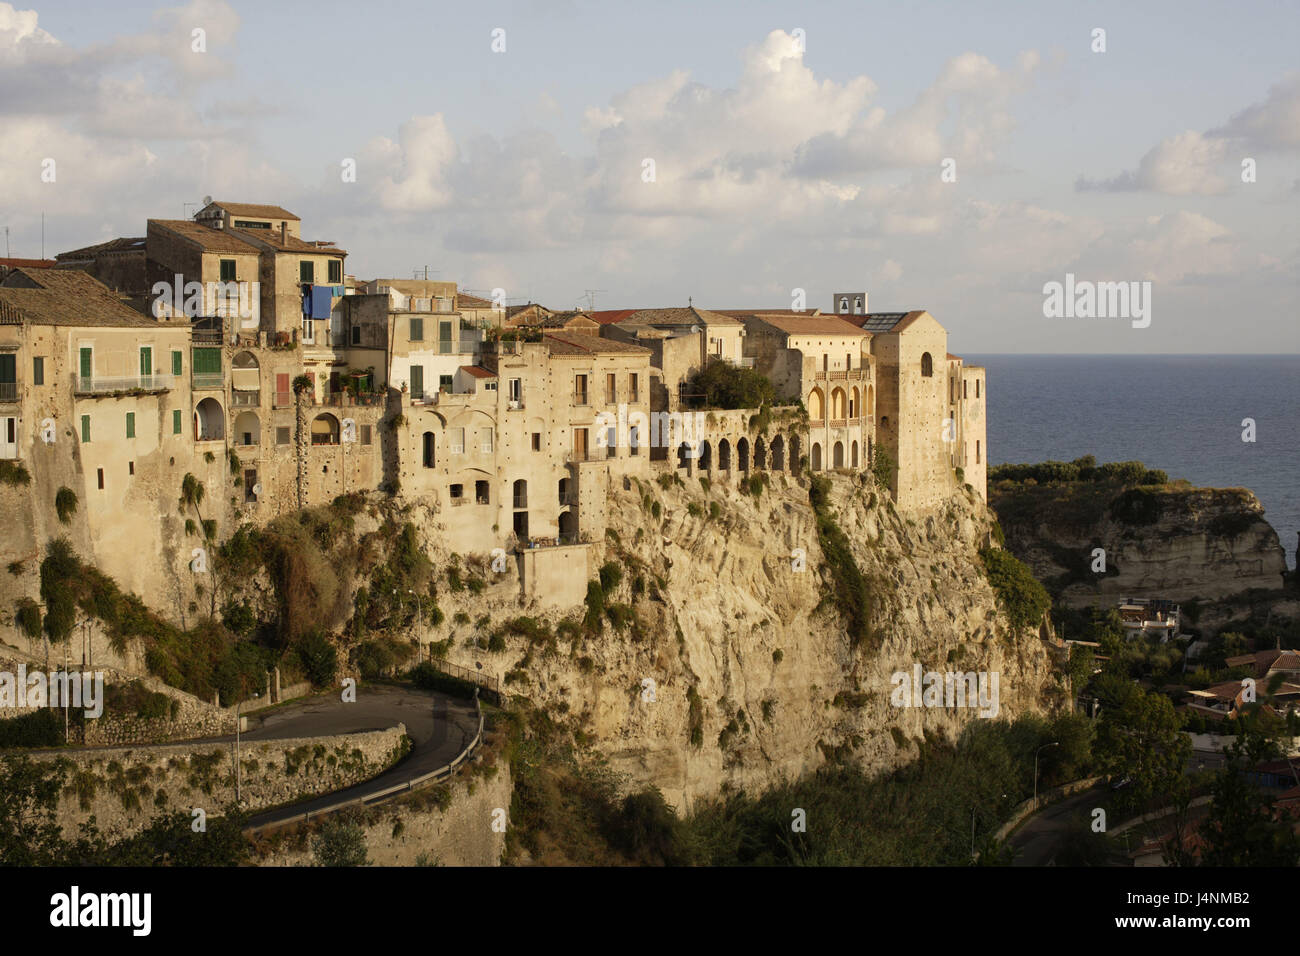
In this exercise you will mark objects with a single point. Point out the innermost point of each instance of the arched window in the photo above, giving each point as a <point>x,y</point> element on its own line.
<point>760,453</point>
<point>837,404</point>
<point>927,365</point>
<point>816,456</point>
<point>209,421</point>
<point>248,429</point>
<point>854,455</point>
<point>977,388</point>
<point>838,454</point>
<point>724,455</point>
<point>778,453</point>
<point>325,430</point>
<point>521,493</point>
<point>742,453</point>
<point>706,457</point>
<point>816,405</point>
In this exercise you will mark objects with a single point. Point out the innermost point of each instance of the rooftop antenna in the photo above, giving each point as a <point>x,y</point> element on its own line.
<point>690,302</point>
<point>6,242</point>
<point>415,273</point>
<point>185,209</point>
<point>591,297</point>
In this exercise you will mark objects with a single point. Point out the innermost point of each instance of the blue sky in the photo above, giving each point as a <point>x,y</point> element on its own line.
<point>776,168</point>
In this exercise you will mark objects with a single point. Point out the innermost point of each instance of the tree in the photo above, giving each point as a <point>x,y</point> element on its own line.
<point>724,385</point>
<point>29,831</point>
<point>340,843</point>
<point>1139,736</point>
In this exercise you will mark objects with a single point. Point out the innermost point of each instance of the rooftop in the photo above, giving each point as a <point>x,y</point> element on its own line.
<point>254,210</point>
<point>581,343</point>
<point>796,324</point>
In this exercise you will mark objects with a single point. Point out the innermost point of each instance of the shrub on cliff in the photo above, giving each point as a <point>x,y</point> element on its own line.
<point>319,659</point>
<point>1022,598</point>
<point>339,843</point>
<point>724,385</point>
<point>1137,506</point>
<point>850,591</point>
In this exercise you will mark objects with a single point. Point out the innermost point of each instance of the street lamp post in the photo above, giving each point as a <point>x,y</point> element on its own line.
<point>1054,743</point>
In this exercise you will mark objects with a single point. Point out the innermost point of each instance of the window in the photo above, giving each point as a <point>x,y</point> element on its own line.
<point>611,388</point>
<point>88,361</point>
<point>537,441</point>
<point>85,428</point>
<point>963,389</point>
<point>490,386</point>
<point>101,478</point>
<point>456,441</point>
<point>417,382</point>
<point>516,389</point>
<point>356,335</point>
<point>848,361</point>
<point>977,388</point>
<point>417,330</point>
<point>634,441</point>
<point>38,370</point>
<point>457,493</point>
<point>611,442</point>
<point>130,468</point>
<point>481,493</point>
<point>977,451</point>
<point>247,224</point>
<point>177,361</point>
<point>250,485</point>
<point>176,421</point>
<point>444,383</point>
<point>146,360</point>
<point>227,270</point>
<point>306,271</point>
<point>485,441</point>
<point>927,365</point>
<point>365,435</point>
<point>444,337</point>
<point>282,434</point>
<point>130,424</point>
<point>336,272</point>
<point>633,385</point>
<point>580,390</point>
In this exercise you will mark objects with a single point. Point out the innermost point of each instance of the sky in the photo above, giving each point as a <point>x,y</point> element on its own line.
<point>953,157</point>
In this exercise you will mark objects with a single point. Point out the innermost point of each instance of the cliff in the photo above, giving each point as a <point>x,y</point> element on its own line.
<point>731,668</point>
<point>1168,541</point>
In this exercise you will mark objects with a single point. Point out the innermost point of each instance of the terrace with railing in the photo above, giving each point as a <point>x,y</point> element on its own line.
<point>207,380</point>
<point>101,385</point>
<point>9,391</point>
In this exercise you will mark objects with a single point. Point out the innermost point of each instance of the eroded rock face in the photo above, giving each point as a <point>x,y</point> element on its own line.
<point>725,620</point>
<point>1203,543</point>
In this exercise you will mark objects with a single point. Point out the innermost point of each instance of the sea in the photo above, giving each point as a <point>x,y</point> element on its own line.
<point>1183,414</point>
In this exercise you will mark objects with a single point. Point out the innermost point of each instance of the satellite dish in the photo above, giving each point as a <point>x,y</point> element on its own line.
<point>695,328</point>
<point>207,200</point>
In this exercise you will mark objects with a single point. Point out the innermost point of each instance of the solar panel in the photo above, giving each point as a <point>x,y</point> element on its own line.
<point>882,321</point>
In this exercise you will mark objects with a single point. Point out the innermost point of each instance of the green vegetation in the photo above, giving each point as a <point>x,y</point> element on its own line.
<point>724,385</point>
<point>1083,469</point>
<point>427,677</point>
<point>882,469</point>
<point>40,728</point>
<point>339,843</point>
<point>850,591</point>
<point>65,504</point>
<point>1024,600</point>
<point>13,473</point>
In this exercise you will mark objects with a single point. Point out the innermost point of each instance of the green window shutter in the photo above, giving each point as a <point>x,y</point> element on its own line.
<point>417,380</point>
<point>9,369</point>
<point>176,363</point>
<point>85,428</point>
<point>227,270</point>
<point>146,360</point>
<point>130,424</point>
<point>86,363</point>
<point>306,271</point>
<point>417,330</point>
<point>38,370</point>
<point>176,421</point>
<point>206,361</point>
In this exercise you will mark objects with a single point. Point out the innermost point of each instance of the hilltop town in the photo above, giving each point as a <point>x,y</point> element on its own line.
<point>227,344</point>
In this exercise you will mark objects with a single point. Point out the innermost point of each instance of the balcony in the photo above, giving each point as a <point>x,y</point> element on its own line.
<point>343,398</point>
<point>744,363</point>
<point>9,391</point>
<point>585,454</point>
<point>97,385</point>
<point>207,380</point>
<point>240,399</point>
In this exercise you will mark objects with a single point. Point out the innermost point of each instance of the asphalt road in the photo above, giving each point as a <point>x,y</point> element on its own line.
<point>1037,838</point>
<point>439,726</point>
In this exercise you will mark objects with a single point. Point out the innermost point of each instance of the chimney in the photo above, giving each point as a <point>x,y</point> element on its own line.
<point>282,233</point>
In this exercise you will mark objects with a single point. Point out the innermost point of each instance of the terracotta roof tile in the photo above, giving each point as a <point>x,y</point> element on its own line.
<point>255,210</point>
<point>582,343</point>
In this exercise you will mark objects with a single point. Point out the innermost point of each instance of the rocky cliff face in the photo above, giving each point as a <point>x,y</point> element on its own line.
<point>1176,542</point>
<point>735,668</point>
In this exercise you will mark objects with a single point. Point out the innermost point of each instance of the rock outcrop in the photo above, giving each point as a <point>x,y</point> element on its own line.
<point>1173,542</point>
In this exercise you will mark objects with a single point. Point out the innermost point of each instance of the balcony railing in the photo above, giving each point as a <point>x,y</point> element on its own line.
<point>343,398</point>
<point>457,502</point>
<point>633,397</point>
<point>8,391</point>
<point>241,399</point>
<point>586,454</point>
<point>580,398</point>
<point>205,380</point>
<point>97,385</point>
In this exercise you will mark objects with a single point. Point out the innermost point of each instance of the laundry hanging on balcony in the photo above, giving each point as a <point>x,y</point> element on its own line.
<point>321,301</point>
